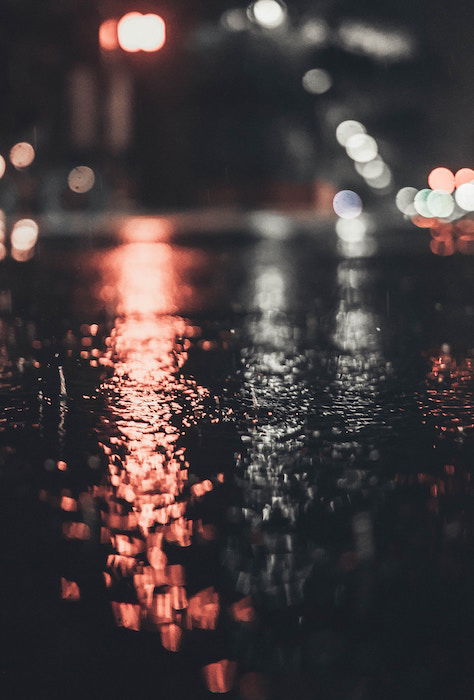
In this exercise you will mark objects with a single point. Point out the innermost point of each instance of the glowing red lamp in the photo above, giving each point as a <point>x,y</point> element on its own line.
<point>138,32</point>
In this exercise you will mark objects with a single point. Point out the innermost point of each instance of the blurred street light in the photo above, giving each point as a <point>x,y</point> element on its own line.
<point>137,32</point>
<point>133,32</point>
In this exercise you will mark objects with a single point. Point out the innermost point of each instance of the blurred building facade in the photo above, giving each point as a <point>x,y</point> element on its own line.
<point>219,116</point>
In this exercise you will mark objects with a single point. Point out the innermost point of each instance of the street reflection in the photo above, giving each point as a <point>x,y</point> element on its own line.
<point>277,553</point>
<point>145,516</point>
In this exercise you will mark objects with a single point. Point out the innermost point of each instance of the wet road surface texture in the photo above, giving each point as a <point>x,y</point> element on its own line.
<point>240,469</point>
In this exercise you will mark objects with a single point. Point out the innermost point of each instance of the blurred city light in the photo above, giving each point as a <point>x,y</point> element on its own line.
<point>441,179</point>
<point>465,196</point>
<point>24,234</point>
<point>371,169</point>
<point>361,148</point>
<point>140,229</point>
<point>317,81</point>
<point>347,129</point>
<point>269,14</point>
<point>270,224</point>
<point>315,32</point>
<point>382,180</point>
<point>421,202</point>
<point>235,20</point>
<point>351,230</point>
<point>22,155</point>
<point>463,176</point>
<point>23,239</point>
<point>405,199</point>
<point>381,43</point>
<point>440,203</point>
<point>129,32</point>
<point>81,179</point>
<point>108,38</point>
<point>138,32</point>
<point>347,204</point>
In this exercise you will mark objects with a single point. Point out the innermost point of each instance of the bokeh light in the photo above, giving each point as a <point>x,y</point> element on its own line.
<point>351,230</point>
<point>347,129</point>
<point>361,148</point>
<point>22,255</point>
<point>24,234</point>
<point>129,32</point>
<point>108,39</point>
<point>137,32</point>
<point>317,81</point>
<point>81,179</point>
<point>441,179</point>
<point>315,32</point>
<point>464,196</point>
<point>23,239</point>
<point>465,226</point>
<point>153,32</point>
<point>22,155</point>
<point>146,229</point>
<point>268,13</point>
<point>234,20</point>
<point>371,169</point>
<point>424,221</point>
<point>465,244</point>
<point>381,181</point>
<point>347,204</point>
<point>463,176</point>
<point>442,246</point>
<point>440,203</point>
<point>421,202</point>
<point>386,44</point>
<point>3,166</point>
<point>405,200</point>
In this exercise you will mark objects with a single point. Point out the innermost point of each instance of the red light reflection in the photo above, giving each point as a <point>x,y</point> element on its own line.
<point>150,404</point>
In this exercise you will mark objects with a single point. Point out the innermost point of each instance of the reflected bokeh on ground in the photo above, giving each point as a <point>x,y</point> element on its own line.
<point>246,463</point>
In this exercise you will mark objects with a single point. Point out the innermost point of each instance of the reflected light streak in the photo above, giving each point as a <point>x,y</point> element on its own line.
<point>447,404</point>
<point>277,405</point>
<point>151,404</point>
<point>145,229</point>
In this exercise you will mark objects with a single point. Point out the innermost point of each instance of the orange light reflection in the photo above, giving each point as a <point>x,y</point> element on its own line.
<point>150,404</point>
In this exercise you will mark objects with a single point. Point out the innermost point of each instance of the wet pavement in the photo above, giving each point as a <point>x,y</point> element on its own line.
<point>239,468</point>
